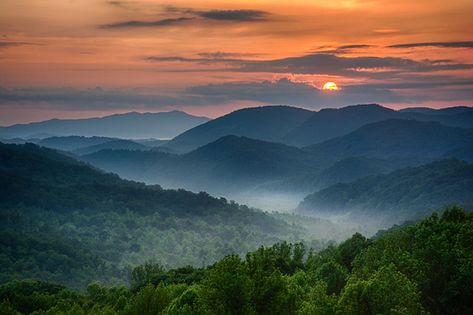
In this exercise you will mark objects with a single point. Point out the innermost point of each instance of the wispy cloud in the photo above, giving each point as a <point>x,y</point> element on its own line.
<point>137,24</point>
<point>282,91</point>
<point>462,44</point>
<point>329,64</point>
<point>10,43</point>
<point>234,15</point>
<point>355,46</point>
<point>186,14</point>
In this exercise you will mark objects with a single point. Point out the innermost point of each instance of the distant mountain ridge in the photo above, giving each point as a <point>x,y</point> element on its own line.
<point>394,138</point>
<point>299,127</point>
<point>233,165</point>
<point>130,125</point>
<point>267,123</point>
<point>227,164</point>
<point>332,122</point>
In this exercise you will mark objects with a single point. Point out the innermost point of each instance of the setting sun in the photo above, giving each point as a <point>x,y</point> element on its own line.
<point>330,86</point>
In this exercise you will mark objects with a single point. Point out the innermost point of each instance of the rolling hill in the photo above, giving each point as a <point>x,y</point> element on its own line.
<point>118,144</point>
<point>394,138</point>
<point>229,164</point>
<point>51,202</point>
<point>404,194</point>
<point>331,122</point>
<point>298,127</point>
<point>268,123</point>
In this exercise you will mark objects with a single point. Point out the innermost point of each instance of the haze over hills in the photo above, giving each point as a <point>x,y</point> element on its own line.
<point>405,194</point>
<point>162,125</point>
<point>118,144</point>
<point>228,165</point>
<point>55,203</point>
<point>71,143</point>
<point>259,170</point>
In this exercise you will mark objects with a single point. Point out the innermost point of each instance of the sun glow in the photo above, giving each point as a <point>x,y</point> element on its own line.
<point>330,86</point>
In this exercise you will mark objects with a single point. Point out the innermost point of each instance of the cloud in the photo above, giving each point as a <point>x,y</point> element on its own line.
<point>325,64</point>
<point>234,15</point>
<point>240,15</point>
<point>225,55</point>
<point>463,44</point>
<point>285,91</point>
<point>96,98</point>
<point>282,91</point>
<point>136,24</point>
<point>357,46</point>
<point>7,43</point>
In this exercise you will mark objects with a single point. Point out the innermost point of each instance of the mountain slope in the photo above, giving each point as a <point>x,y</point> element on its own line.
<point>331,122</point>
<point>228,164</point>
<point>129,125</point>
<point>119,144</point>
<point>403,194</point>
<point>394,138</point>
<point>268,123</point>
<point>120,223</point>
<point>71,143</point>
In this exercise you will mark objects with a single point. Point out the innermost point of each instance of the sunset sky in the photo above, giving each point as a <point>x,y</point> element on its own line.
<point>83,58</point>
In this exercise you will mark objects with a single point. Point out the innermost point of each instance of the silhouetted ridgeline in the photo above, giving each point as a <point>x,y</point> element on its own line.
<point>129,125</point>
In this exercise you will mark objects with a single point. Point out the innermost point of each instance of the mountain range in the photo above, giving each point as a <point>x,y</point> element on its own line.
<point>164,125</point>
<point>245,156</point>
<point>234,165</point>
<point>299,127</point>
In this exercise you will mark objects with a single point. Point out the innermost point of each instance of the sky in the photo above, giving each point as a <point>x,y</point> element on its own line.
<point>85,58</point>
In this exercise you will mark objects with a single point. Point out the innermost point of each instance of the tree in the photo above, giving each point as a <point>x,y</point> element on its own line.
<point>387,292</point>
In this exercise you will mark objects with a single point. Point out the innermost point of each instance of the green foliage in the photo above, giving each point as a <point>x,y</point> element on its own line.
<point>64,222</point>
<point>387,291</point>
<point>405,194</point>
<point>423,268</point>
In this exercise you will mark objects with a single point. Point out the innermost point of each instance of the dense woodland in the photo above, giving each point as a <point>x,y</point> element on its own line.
<point>423,268</point>
<point>410,193</point>
<point>63,221</point>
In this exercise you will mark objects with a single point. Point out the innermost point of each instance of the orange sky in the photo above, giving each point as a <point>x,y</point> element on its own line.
<point>80,58</point>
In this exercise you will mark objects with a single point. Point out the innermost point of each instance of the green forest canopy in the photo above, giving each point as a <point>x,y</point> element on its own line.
<point>424,268</point>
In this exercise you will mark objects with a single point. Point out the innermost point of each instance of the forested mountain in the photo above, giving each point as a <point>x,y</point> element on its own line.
<point>331,122</point>
<point>464,153</point>
<point>129,125</point>
<point>404,194</point>
<point>118,144</point>
<point>394,138</point>
<point>254,171</point>
<point>298,127</point>
<point>229,164</point>
<point>343,171</point>
<point>71,143</point>
<point>422,268</point>
<point>53,203</point>
<point>268,123</point>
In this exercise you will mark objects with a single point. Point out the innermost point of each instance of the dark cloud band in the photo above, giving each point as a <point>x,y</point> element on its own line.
<point>464,44</point>
<point>135,24</point>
